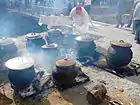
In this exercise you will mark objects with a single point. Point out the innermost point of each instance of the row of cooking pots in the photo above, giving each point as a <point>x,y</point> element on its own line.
<point>70,41</point>
<point>119,54</point>
<point>22,71</point>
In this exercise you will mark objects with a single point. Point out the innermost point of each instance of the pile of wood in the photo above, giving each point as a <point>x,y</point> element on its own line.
<point>4,100</point>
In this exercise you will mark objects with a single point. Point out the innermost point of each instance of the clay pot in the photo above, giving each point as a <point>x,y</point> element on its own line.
<point>65,73</point>
<point>119,54</point>
<point>8,49</point>
<point>85,46</point>
<point>21,71</point>
<point>34,42</point>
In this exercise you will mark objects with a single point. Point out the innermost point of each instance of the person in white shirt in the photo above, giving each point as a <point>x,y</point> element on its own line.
<point>136,19</point>
<point>120,12</point>
<point>132,11</point>
<point>80,19</point>
<point>87,5</point>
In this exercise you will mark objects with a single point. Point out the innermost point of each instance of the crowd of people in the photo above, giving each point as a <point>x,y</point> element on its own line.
<point>24,4</point>
<point>135,17</point>
<point>27,5</point>
<point>84,7</point>
<point>84,3</point>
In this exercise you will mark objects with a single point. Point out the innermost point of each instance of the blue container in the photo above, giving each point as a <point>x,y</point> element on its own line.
<point>8,49</point>
<point>21,71</point>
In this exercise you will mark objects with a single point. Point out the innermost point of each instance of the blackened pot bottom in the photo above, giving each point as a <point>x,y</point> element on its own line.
<point>80,79</point>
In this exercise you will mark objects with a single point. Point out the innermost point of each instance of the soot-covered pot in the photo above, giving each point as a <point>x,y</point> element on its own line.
<point>65,72</point>
<point>21,71</point>
<point>85,46</point>
<point>8,49</point>
<point>34,41</point>
<point>119,54</point>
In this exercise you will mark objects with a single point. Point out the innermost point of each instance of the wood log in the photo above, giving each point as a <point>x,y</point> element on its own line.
<point>96,94</point>
<point>4,100</point>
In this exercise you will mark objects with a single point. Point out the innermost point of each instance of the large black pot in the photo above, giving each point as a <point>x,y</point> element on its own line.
<point>21,71</point>
<point>85,46</point>
<point>119,54</point>
<point>8,49</point>
<point>34,42</point>
<point>65,72</point>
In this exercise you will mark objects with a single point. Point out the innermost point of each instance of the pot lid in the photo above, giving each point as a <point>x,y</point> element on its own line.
<point>53,30</point>
<point>19,63</point>
<point>121,43</point>
<point>6,41</point>
<point>33,35</point>
<point>65,63</point>
<point>50,46</point>
<point>74,34</point>
<point>84,38</point>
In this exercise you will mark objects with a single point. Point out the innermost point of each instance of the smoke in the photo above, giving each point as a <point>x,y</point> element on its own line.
<point>60,4</point>
<point>7,28</point>
<point>46,58</point>
<point>16,24</point>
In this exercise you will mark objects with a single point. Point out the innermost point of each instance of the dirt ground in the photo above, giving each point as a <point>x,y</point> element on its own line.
<point>75,96</point>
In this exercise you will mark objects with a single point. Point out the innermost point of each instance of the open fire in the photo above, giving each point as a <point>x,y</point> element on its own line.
<point>65,73</point>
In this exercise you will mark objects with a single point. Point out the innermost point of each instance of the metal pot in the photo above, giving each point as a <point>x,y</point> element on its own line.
<point>21,71</point>
<point>55,36</point>
<point>8,49</point>
<point>65,72</point>
<point>119,54</point>
<point>34,41</point>
<point>85,46</point>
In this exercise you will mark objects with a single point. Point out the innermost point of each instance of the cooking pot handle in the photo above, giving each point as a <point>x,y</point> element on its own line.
<point>4,38</point>
<point>121,41</point>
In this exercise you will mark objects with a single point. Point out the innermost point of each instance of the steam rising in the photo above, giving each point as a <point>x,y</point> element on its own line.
<point>15,24</point>
<point>47,58</point>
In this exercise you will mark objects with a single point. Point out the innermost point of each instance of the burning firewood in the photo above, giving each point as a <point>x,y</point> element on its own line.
<point>4,100</point>
<point>96,94</point>
<point>115,102</point>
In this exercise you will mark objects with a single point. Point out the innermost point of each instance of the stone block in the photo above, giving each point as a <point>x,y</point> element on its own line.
<point>96,94</point>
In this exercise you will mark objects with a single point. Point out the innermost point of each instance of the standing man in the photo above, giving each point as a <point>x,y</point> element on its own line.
<point>136,19</point>
<point>87,5</point>
<point>80,19</point>
<point>132,11</point>
<point>131,18</point>
<point>71,4</point>
<point>81,2</point>
<point>120,13</point>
